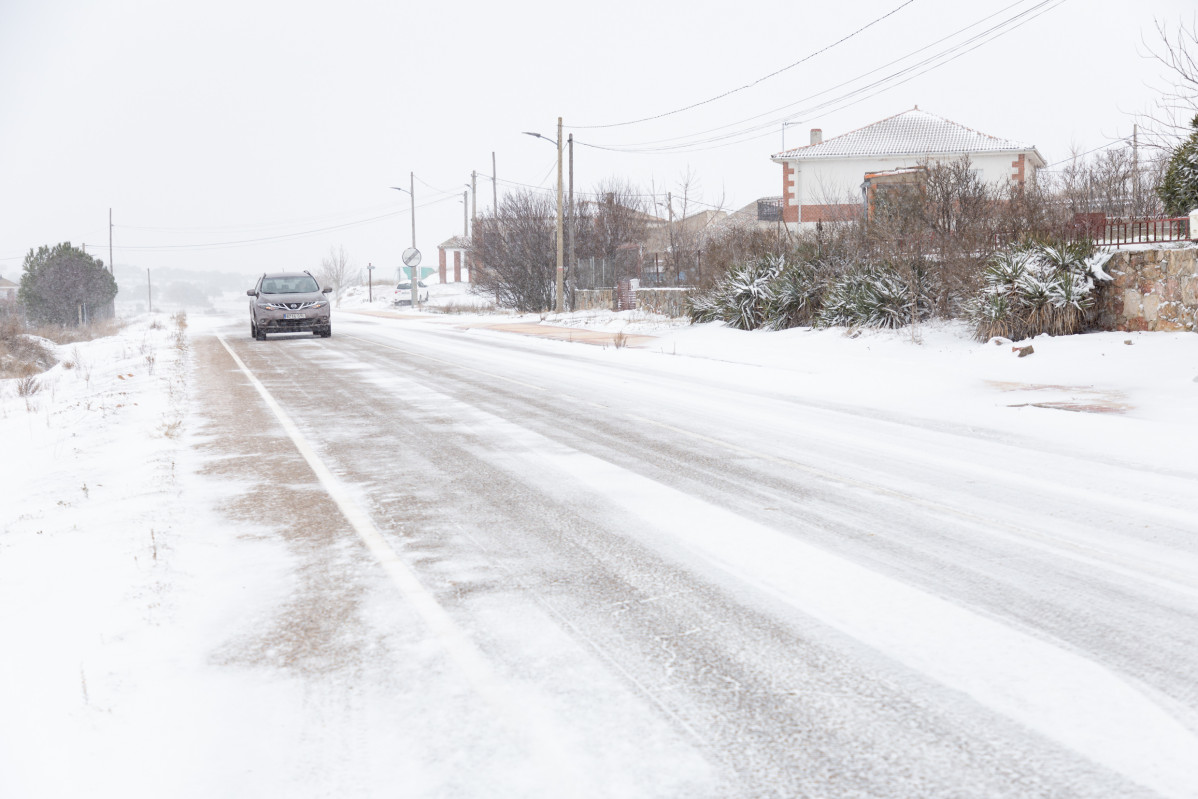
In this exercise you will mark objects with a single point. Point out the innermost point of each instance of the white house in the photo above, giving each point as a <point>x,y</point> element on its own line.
<point>828,181</point>
<point>8,290</point>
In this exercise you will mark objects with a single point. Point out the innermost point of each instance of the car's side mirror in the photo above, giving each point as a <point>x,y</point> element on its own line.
<point>251,293</point>
<point>326,290</point>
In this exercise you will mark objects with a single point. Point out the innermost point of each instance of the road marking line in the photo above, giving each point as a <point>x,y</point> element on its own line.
<point>447,363</point>
<point>548,748</point>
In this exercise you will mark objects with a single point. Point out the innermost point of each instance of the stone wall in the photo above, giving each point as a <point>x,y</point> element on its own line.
<point>1153,289</point>
<point>667,302</point>
<point>593,300</point>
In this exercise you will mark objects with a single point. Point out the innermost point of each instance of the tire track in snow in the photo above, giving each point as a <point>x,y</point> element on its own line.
<point>547,748</point>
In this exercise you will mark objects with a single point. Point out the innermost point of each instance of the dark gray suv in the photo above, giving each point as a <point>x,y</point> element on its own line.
<point>289,302</point>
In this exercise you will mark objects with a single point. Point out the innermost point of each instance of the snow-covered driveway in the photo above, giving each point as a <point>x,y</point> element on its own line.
<point>445,562</point>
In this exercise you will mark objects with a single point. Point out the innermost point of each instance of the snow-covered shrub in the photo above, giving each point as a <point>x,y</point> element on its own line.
<point>775,294</point>
<point>1041,289</point>
<point>741,298</point>
<point>877,296</point>
<point>795,295</point>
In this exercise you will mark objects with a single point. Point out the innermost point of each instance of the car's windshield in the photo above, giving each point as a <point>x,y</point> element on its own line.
<point>301,284</point>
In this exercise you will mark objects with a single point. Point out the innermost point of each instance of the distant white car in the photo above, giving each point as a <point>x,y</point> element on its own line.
<point>403,293</point>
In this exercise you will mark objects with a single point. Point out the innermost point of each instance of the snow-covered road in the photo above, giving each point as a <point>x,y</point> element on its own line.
<point>437,561</point>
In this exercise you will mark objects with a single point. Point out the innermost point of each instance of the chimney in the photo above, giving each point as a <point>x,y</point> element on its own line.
<point>817,136</point>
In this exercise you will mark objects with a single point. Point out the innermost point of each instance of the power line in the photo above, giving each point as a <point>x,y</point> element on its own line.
<point>773,122</point>
<point>688,142</point>
<point>751,84</point>
<point>251,227</point>
<point>1075,156</point>
<point>282,236</point>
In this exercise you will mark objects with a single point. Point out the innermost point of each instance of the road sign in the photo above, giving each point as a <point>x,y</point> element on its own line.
<point>411,257</point>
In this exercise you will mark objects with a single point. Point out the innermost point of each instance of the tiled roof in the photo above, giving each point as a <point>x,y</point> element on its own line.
<point>912,132</point>
<point>455,243</point>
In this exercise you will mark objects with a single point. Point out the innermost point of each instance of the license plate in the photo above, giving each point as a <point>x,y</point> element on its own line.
<point>295,316</point>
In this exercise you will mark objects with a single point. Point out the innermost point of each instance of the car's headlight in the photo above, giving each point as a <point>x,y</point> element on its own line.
<point>270,306</point>
<point>319,304</point>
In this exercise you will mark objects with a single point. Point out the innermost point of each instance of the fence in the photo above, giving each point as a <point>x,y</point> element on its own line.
<point>602,273</point>
<point>594,273</point>
<point>1108,232</point>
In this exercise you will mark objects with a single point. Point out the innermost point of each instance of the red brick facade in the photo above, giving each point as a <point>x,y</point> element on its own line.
<point>1019,169</point>
<point>835,212</point>
<point>790,210</point>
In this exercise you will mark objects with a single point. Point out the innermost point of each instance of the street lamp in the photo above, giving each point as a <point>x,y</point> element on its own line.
<point>411,192</point>
<point>561,272</point>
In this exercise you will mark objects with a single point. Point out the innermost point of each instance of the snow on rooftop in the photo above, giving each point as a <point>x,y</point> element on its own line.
<point>909,133</point>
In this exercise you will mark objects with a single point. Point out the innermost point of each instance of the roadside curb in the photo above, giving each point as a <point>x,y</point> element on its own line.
<point>600,338</point>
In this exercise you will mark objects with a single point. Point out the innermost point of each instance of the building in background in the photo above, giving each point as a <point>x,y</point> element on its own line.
<point>832,180</point>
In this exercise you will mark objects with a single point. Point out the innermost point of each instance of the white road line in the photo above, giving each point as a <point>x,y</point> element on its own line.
<point>547,747</point>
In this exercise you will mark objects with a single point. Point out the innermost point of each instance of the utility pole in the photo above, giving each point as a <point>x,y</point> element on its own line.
<point>561,277</point>
<point>572,261</point>
<point>111,268</point>
<point>414,271</point>
<point>494,187</point>
<point>1135,168</point>
<point>673,251</point>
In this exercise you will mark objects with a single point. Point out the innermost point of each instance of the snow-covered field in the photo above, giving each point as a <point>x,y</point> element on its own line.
<point>114,597</point>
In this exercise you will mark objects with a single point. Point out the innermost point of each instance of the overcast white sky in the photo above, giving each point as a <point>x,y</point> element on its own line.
<point>273,129</point>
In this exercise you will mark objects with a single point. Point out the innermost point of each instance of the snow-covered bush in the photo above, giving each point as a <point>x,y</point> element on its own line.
<point>877,296</point>
<point>1044,288</point>
<point>795,295</point>
<point>742,297</point>
<point>774,294</point>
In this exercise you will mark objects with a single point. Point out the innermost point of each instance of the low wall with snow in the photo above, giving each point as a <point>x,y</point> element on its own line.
<point>667,302</point>
<point>593,300</point>
<point>1154,289</point>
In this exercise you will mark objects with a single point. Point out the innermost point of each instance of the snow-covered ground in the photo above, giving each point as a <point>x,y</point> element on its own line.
<point>113,594</point>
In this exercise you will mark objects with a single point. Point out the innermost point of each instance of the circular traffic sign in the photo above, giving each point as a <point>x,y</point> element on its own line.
<point>411,257</point>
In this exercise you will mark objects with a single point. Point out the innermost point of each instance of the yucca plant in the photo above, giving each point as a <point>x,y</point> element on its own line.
<point>795,296</point>
<point>1041,289</point>
<point>872,296</point>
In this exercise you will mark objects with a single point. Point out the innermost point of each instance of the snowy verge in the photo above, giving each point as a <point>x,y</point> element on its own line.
<point>86,543</point>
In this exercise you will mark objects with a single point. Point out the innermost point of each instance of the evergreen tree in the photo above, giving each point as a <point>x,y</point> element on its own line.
<point>1179,190</point>
<point>62,281</point>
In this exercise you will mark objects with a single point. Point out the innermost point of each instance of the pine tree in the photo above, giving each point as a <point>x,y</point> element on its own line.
<point>62,283</point>
<point>1179,190</point>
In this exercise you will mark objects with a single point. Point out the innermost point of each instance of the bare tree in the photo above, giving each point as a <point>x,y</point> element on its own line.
<point>1117,182</point>
<point>740,242</point>
<point>692,224</point>
<point>335,271</point>
<point>514,252</point>
<point>944,218</point>
<point>619,218</point>
<point>1177,51</point>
